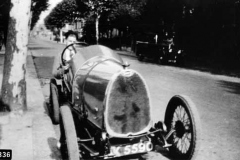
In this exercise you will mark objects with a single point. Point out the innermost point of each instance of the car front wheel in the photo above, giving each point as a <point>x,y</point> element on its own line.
<point>183,128</point>
<point>69,143</point>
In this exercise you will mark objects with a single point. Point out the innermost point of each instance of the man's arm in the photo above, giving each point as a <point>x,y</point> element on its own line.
<point>58,70</point>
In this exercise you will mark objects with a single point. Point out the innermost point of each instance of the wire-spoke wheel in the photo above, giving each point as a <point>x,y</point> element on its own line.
<point>69,143</point>
<point>182,121</point>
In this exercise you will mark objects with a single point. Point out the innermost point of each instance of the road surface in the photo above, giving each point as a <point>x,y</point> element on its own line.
<point>216,97</point>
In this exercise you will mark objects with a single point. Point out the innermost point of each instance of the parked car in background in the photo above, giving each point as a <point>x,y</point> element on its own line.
<point>147,46</point>
<point>161,48</point>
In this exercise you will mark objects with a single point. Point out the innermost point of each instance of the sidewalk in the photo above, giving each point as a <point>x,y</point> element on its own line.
<point>30,135</point>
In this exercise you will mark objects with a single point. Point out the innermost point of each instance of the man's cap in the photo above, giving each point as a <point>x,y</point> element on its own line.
<point>70,32</point>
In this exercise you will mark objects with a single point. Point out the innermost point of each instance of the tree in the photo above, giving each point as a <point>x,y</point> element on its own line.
<point>38,6</point>
<point>4,15</point>
<point>114,8</point>
<point>63,13</point>
<point>91,10</point>
<point>14,84</point>
<point>95,10</point>
<point>131,8</point>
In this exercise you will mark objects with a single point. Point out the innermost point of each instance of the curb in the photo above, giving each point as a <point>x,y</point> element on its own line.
<point>43,134</point>
<point>125,53</point>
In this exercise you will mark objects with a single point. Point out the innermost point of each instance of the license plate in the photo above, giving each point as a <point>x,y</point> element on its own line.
<point>131,149</point>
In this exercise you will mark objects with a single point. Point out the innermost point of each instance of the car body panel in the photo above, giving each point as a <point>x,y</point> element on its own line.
<point>104,88</point>
<point>128,106</point>
<point>86,53</point>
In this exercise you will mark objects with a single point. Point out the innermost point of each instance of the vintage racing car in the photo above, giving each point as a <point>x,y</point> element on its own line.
<point>104,110</point>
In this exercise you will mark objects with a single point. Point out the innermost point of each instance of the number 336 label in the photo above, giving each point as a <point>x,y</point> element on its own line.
<point>5,154</point>
<point>131,149</point>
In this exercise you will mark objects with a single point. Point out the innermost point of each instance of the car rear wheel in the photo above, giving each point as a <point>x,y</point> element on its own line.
<point>159,60</point>
<point>54,103</point>
<point>183,128</point>
<point>140,57</point>
<point>181,62</point>
<point>69,143</point>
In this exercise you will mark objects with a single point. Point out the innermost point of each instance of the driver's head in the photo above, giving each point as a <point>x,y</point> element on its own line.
<point>71,37</point>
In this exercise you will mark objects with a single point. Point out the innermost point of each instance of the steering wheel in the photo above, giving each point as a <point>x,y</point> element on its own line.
<point>77,43</point>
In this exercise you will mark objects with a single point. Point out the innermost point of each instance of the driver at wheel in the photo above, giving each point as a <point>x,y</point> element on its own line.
<point>61,76</point>
<point>58,68</point>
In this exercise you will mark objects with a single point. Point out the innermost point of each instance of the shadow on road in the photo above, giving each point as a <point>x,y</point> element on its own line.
<point>213,66</point>
<point>6,108</point>
<point>231,87</point>
<point>52,142</point>
<point>2,60</point>
<point>44,66</point>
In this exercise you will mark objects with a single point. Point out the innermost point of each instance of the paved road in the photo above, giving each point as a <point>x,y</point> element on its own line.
<point>216,97</point>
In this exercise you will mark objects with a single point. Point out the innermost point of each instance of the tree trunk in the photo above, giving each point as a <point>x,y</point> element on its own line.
<point>97,28</point>
<point>13,91</point>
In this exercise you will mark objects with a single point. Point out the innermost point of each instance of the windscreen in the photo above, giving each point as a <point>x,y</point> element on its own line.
<point>86,53</point>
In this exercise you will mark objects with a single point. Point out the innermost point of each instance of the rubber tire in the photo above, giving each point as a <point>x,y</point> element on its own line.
<point>159,61</point>
<point>192,113</point>
<point>140,57</point>
<point>69,131</point>
<point>54,103</point>
<point>180,62</point>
